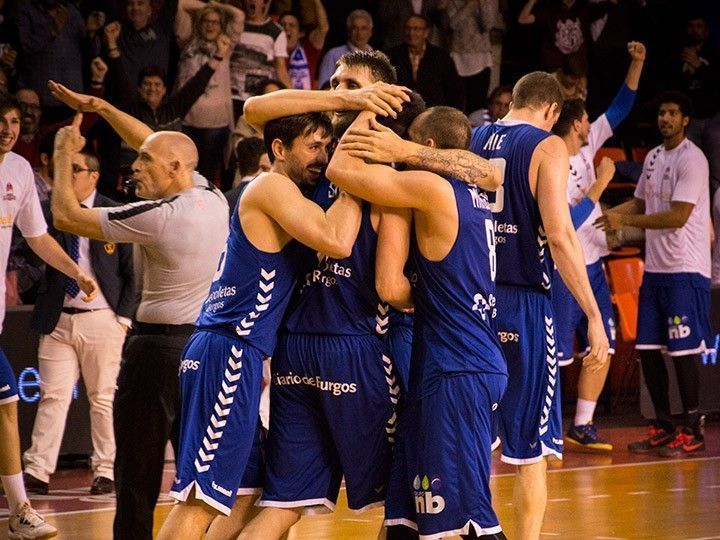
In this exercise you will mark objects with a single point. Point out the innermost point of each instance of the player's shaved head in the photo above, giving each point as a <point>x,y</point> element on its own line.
<point>447,127</point>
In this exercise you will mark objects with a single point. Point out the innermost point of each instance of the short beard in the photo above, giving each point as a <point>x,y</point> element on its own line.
<point>342,123</point>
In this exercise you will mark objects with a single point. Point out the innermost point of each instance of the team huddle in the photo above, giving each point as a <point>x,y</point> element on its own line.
<point>396,266</point>
<point>359,236</point>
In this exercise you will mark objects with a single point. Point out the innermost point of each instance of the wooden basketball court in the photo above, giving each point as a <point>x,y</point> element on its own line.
<point>600,497</point>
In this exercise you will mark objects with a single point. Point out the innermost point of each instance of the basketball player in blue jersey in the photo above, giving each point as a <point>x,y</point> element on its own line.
<point>531,213</point>
<point>221,367</point>
<point>332,377</point>
<point>458,374</point>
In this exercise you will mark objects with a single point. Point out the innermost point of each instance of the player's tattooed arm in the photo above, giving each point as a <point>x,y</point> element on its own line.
<point>380,144</point>
<point>461,164</point>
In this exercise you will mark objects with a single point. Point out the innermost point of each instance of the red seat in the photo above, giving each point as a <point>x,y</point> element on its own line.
<point>614,153</point>
<point>625,280</point>
<point>639,153</point>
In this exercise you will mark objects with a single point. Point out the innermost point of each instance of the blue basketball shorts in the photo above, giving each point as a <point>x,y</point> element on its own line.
<point>674,313</point>
<point>399,340</point>
<point>8,383</point>
<point>221,438</point>
<point>332,414</point>
<point>570,321</point>
<point>440,477</point>
<point>530,416</point>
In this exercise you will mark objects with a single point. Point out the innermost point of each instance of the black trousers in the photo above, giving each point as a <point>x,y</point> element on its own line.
<point>146,415</point>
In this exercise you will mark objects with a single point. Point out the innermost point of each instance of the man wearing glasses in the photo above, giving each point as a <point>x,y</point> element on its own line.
<point>80,338</point>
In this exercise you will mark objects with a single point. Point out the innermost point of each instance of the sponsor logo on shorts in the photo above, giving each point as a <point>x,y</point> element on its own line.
<point>189,364</point>
<point>506,337</point>
<point>677,327</point>
<point>222,490</point>
<point>559,442</point>
<point>486,306</point>
<point>336,388</point>
<point>5,388</point>
<point>425,501</point>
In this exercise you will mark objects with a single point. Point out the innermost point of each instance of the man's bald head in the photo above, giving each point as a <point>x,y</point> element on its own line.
<point>164,166</point>
<point>174,146</point>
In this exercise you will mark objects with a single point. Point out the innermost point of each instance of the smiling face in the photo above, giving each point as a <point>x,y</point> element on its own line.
<point>138,13</point>
<point>306,157</point>
<point>152,91</point>
<point>9,130</point>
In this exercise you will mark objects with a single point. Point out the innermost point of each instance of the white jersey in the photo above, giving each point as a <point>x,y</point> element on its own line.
<point>19,205</point>
<point>581,179</point>
<point>678,175</point>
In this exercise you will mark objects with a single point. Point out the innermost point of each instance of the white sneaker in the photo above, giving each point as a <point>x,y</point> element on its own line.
<point>27,524</point>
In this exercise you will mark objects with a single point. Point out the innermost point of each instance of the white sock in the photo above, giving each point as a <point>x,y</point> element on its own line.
<point>584,411</point>
<point>14,490</point>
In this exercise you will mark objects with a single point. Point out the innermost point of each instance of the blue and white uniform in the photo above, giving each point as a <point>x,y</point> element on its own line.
<point>19,205</point>
<point>530,420</point>
<point>674,303</point>
<point>221,372</point>
<point>334,390</point>
<point>457,378</point>
<point>570,320</point>
<point>399,340</point>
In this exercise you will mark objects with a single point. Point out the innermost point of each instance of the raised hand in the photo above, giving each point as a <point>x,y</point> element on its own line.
<point>75,100</point>
<point>112,33</point>
<point>98,70</point>
<point>605,170</point>
<point>223,43</point>
<point>637,51</point>
<point>68,140</point>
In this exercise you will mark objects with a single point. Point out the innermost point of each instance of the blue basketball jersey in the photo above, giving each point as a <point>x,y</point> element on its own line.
<point>250,290</point>
<point>338,296</point>
<point>455,299</point>
<point>522,257</point>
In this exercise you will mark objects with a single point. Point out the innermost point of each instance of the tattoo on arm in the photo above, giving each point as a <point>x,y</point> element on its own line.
<point>460,164</point>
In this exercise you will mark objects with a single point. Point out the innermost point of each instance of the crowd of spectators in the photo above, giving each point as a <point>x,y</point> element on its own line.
<point>188,65</point>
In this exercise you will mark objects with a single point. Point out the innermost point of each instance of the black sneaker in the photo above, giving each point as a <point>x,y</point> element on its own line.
<point>34,485</point>
<point>101,486</point>
<point>656,439</point>
<point>685,443</point>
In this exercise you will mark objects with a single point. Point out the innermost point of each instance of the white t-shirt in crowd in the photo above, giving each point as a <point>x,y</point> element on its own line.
<point>580,180</point>
<point>19,205</point>
<point>678,175</point>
